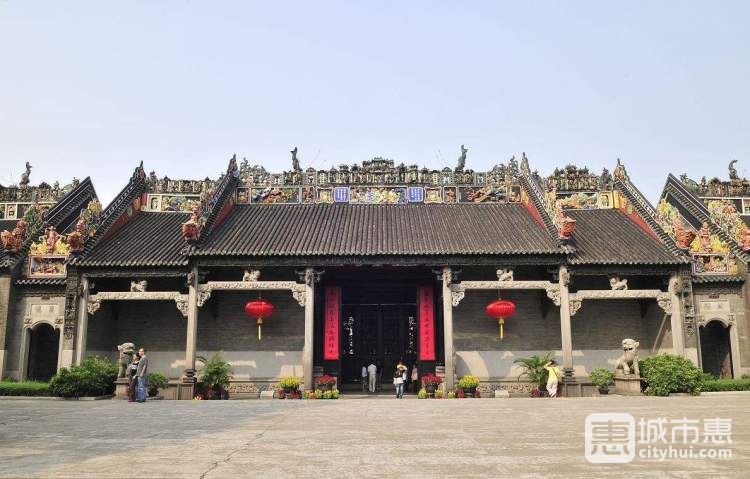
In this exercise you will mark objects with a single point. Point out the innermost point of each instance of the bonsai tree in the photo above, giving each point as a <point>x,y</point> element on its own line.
<point>602,378</point>
<point>215,374</point>
<point>533,368</point>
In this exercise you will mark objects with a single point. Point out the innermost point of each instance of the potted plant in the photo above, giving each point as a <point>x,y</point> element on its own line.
<point>533,368</point>
<point>325,382</point>
<point>469,384</point>
<point>215,375</point>
<point>602,378</point>
<point>431,382</point>
<point>289,384</point>
<point>155,382</point>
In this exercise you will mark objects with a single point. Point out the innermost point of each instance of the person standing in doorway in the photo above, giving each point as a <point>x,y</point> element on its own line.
<point>364,378</point>
<point>140,374</point>
<point>553,378</point>
<point>372,375</point>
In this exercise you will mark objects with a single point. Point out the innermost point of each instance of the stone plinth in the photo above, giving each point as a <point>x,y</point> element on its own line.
<point>121,388</point>
<point>186,389</point>
<point>628,385</point>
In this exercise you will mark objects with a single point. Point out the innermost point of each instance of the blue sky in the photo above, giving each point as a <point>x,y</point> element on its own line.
<point>93,88</point>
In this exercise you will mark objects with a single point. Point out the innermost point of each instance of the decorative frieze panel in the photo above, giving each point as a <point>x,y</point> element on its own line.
<point>181,300</point>
<point>458,290</point>
<point>663,299</point>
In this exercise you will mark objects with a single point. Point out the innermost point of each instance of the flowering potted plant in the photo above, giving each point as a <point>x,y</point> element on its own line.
<point>325,382</point>
<point>469,384</point>
<point>289,384</point>
<point>431,381</point>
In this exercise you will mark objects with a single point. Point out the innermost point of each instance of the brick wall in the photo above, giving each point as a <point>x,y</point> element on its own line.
<point>597,330</point>
<point>222,326</point>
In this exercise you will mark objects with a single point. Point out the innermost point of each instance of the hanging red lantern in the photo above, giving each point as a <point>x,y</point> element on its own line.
<point>501,309</point>
<point>259,309</point>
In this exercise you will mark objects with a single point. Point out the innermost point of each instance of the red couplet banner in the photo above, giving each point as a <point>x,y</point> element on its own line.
<point>426,323</point>
<point>331,323</point>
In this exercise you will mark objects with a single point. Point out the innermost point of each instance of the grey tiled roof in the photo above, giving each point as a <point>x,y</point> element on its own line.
<point>366,230</point>
<point>148,239</point>
<point>607,236</point>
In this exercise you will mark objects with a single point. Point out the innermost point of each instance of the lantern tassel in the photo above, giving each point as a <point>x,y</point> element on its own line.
<point>501,321</point>
<point>260,325</point>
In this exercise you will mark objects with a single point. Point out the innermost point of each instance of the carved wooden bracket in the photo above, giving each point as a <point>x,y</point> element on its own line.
<point>205,290</point>
<point>181,300</point>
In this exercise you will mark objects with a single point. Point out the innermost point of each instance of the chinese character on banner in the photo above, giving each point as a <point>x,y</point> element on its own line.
<point>610,438</point>
<point>426,323</point>
<point>331,323</point>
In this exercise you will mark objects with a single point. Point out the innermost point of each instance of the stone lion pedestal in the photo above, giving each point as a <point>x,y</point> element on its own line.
<point>628,384</point>
<point>121,388</point>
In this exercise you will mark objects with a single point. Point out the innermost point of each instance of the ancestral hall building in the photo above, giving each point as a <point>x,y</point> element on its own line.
<point>373,262</point>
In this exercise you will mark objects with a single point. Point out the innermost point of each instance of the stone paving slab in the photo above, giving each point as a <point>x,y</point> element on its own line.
<point>363,438</point>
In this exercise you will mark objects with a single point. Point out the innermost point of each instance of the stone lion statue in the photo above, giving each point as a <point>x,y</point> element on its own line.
<point>126,355</point>
<point>628,362</point>
<point>505,275</point>
<point>251,275</point>
<point>618,284</point>
<point>138,286</point>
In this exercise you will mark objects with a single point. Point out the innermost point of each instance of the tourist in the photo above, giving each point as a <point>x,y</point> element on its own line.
<point>414,377</point>
<point>553,378</point>
<point>398,381</point>
<point>372,372</point>
<point>132,381</point>
<point>364,378</point>
<point>140,374</point>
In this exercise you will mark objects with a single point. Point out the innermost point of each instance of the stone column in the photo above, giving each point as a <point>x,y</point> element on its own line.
<point>307,349</point>
<point>83,322</point>
<point>565,333</point>
<point>192,323</point>
<point>5,310</point>
<point>675,298</point>
<point>450,370</point>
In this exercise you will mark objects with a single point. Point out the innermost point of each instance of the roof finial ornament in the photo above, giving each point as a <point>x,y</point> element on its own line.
<point>295,161</point>
<point>732,170</point>
<point>462,159</point>
<point>620,173</point>
<point>25,176</point>
<point>525,164</point>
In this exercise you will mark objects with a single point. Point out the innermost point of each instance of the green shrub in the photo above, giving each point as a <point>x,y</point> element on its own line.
<point>93,377</point>
<point>726,385</point>
<point>601,378</point>
<point>669,373</point>
<point>23,388</point>
<point>216,372</point>
<point>468,381</point>
<point>154,382</point>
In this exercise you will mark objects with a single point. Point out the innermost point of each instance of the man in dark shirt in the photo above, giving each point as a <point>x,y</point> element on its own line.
<point>140,375</point>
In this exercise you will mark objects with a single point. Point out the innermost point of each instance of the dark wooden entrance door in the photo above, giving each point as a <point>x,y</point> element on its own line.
<point>43,349</point>
<point>379,333</point>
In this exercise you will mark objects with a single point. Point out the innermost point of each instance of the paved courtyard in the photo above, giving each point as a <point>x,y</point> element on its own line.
<point>349,437</point>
